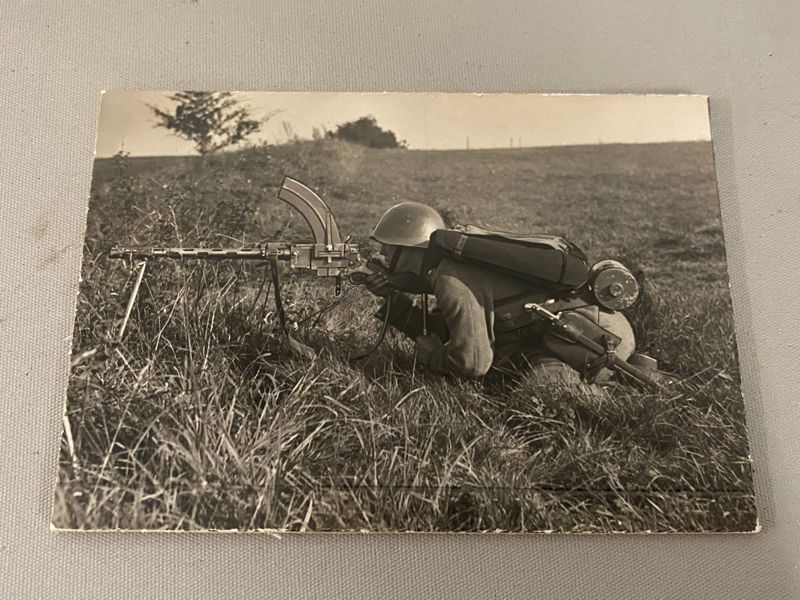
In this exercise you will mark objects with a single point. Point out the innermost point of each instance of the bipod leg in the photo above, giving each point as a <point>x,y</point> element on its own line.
<point>295,345</point>
<point>132,300</point>
<point>276,284</point>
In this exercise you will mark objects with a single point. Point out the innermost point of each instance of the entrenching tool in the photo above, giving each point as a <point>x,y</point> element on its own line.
<point>596,347</point>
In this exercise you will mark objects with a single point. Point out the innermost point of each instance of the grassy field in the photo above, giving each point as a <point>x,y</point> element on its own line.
<point>200,418</point>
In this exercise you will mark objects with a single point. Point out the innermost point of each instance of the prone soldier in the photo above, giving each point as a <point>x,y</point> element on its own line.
<point>483,315</point>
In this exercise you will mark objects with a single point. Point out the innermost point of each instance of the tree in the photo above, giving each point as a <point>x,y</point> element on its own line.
<point>210,120</point>
<point>365,131</point>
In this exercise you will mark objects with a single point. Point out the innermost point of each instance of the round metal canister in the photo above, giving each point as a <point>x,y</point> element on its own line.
<point>613,285</point>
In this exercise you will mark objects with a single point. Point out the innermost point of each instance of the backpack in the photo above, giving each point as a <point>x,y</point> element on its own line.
<point>548,261</point>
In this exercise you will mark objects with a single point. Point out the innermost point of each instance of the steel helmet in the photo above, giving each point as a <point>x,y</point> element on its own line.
<point>408,224</point>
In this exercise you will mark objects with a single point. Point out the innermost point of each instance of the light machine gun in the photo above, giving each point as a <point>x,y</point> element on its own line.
<point>327,256</point>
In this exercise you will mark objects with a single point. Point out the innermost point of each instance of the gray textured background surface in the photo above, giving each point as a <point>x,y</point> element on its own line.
<point>56,56</point>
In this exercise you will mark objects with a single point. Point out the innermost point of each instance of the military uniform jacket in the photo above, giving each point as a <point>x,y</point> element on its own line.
<point>480,319</point>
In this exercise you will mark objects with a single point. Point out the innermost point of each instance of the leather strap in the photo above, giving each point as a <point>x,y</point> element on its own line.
<point>462,241</point>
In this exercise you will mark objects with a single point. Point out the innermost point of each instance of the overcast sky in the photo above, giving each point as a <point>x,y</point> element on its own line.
<point>426,121</point>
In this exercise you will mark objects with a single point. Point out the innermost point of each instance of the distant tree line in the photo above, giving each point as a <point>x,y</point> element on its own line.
<point>213,121</point>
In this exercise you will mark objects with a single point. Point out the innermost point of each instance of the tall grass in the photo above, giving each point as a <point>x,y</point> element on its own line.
<point>202,418</point>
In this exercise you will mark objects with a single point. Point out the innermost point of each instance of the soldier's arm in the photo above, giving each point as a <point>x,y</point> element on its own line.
<point>407,318</point>
<point>463,304</point>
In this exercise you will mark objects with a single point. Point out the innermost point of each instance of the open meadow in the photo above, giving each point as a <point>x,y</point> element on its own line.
<point>201,419</point>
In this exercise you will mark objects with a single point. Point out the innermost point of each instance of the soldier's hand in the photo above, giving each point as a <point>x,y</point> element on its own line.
<point>427,345</point>
<point>378,284</point>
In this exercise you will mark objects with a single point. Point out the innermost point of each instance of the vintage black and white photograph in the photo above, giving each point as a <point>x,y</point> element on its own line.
<point>404,312</point>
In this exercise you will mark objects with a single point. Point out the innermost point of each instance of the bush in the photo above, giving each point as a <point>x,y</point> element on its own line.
<point>366,132</point>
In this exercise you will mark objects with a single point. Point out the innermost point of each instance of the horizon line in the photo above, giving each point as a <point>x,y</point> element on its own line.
<point>493,148</point>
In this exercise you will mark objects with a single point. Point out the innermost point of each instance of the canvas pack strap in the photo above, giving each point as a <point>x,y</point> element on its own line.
<point>459,248</point>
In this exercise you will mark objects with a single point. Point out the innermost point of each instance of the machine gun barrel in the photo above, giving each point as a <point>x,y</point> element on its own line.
<point>260,252</point>
<point>326,260</point>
